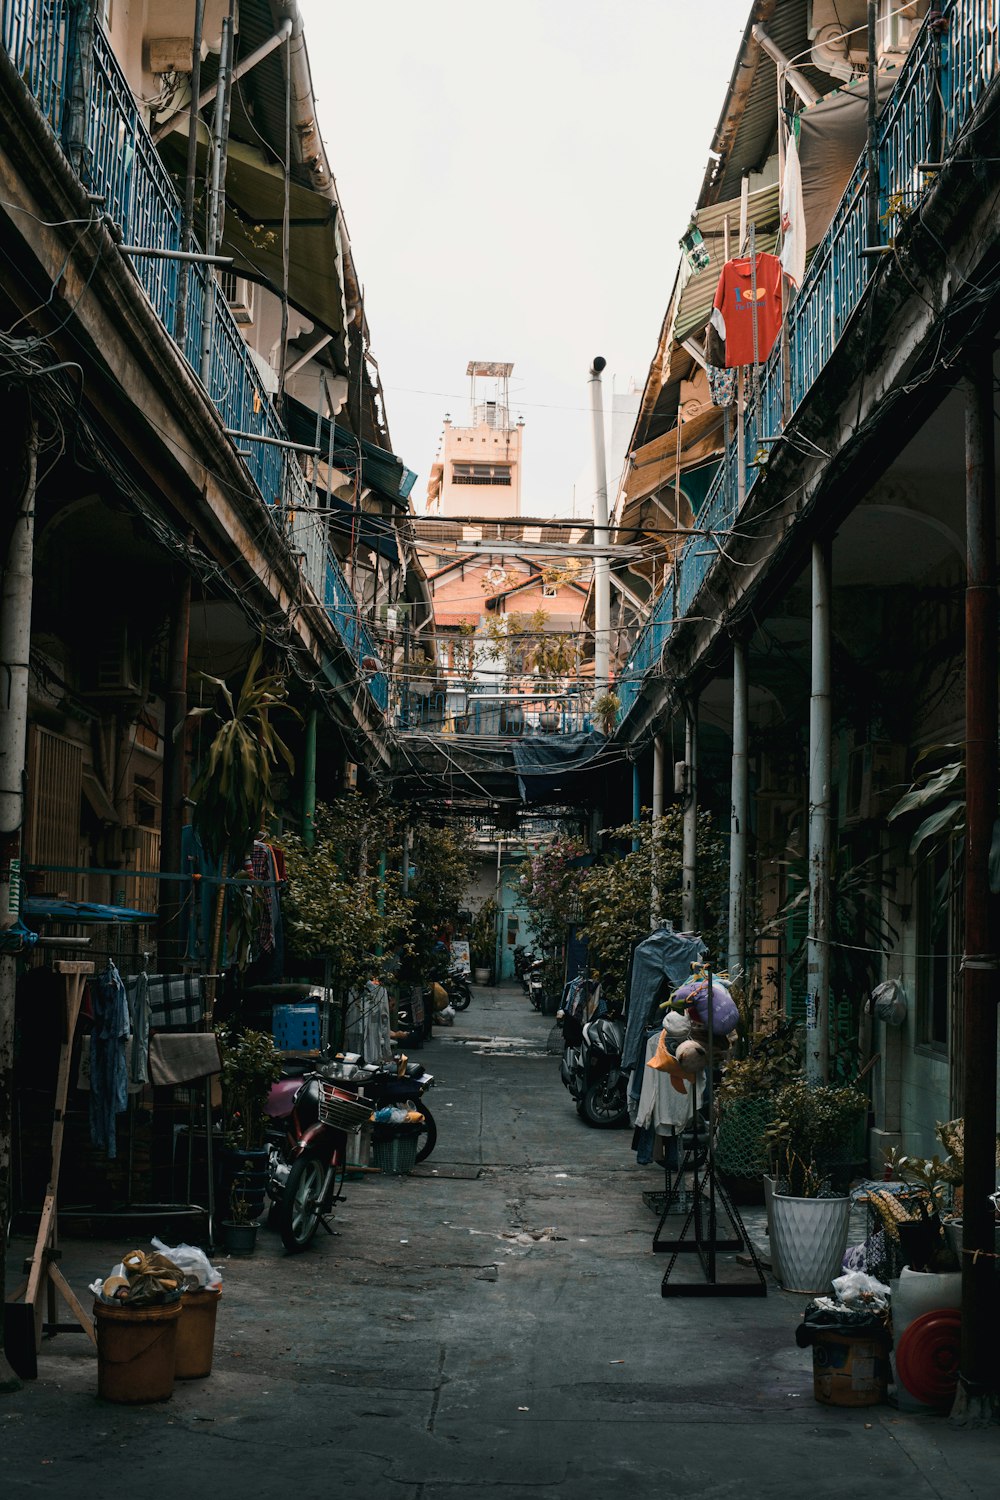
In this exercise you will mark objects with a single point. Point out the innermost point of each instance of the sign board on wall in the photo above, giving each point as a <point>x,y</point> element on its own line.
<point>460,954</point>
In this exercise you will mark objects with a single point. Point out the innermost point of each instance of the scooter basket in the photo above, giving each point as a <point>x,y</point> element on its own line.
<point>341,1110</point>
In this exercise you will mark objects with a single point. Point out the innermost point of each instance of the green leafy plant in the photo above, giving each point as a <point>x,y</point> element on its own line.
<point>232,793</point>
<point>807,1137</point>
<point>249,1067</point>
<point>606,709</point>
<point>482,935</point>
<point>773,1059</point>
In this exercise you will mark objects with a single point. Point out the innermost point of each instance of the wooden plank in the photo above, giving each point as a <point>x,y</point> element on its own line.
<point>68,1295</point>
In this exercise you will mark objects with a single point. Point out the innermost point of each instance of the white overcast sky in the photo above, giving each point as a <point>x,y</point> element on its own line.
<point>515,178</point>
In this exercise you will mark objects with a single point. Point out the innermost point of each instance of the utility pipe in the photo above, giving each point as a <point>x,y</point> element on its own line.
<point>191,168</point>
<point>740,811</point>
<point>820,824</point>
<point>689,893</point>
<point>978,1371</point>
<point>874,231</point>
<point>798,81</point>
<point>636,801</point>
<point>602,570</point>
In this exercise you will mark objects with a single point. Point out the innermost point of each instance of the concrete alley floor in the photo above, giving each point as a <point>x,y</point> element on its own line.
<point>438,1348</point>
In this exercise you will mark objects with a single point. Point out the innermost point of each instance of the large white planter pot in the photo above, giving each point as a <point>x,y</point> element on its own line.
<point>769,1211</point>
<point>809,1237</point>
<point>481,976</point>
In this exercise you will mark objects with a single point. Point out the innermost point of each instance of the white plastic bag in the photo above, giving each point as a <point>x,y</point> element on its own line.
<point>193,1262</point>
<point>858,1289</point>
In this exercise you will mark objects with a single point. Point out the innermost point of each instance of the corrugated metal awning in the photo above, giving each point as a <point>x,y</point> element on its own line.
<point>697,292</point>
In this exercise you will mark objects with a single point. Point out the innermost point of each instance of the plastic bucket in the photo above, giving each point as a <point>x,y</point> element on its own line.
<point>136,1348</point>
<point>397,1156</point>
<point>196,1333</point>
<point>850,1369</point>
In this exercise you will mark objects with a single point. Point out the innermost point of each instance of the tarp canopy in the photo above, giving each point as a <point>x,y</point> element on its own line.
<point>43,909</point>
<point>380,470</point>
<point>546,764</point>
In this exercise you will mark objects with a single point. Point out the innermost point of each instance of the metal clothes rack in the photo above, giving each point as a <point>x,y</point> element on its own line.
<point>708,1196</point>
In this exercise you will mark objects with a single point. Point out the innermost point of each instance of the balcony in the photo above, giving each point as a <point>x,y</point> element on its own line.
<point>123,169</point>
<point>945,76</point>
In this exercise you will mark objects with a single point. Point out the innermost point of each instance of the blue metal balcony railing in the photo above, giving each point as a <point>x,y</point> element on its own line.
<point>945,75</point>
<point>123,167</point>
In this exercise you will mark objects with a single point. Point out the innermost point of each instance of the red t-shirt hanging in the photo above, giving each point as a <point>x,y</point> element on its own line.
<point>732,310</point>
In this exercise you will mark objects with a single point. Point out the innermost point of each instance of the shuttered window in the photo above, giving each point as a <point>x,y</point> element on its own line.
<point>52,815</point>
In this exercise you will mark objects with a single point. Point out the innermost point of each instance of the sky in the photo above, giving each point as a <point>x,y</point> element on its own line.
<point>515,179</point>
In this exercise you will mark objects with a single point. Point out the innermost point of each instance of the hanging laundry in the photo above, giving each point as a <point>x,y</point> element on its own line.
<point>108,1058</point>
<point>739,305</point>
<point>721,385</point>
<point>793,216</point>
<point>139,1014</point>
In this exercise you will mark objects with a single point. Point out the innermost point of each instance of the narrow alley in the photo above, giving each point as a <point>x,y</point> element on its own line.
<point>491,1324</point>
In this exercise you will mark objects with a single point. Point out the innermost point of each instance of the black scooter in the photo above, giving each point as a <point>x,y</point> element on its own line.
<point>591,1069</point>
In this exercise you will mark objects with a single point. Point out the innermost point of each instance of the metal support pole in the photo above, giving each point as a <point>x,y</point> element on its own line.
<point>636,801</point>
<point>740,813</point>
<point>820,824</point>
<point>602,568</point>
<point>15,642</point>
<point>187,215</point>
<point>873,225</point>
<point>659,756</point>
<point>216,189</point>
<point>689,901</point>
<point>171,895</point>
<point>978,1368</point>
<point>309,781</point>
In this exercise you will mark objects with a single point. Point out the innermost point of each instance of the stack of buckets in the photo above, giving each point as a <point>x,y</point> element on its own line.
<point>141,1351</point>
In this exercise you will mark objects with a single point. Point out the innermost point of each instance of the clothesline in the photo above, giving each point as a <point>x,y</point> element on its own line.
<point>239,880</point>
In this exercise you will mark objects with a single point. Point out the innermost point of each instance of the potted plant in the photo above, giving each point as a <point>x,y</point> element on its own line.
<point>746,1098</point>
<point>249,1067</point>
<point>941,1181</point>
<point>482,940</point>
<point>606,708</point>
<point>811,1207</point>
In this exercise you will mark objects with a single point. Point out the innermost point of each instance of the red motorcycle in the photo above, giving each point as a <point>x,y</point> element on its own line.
<point>307,1153</point>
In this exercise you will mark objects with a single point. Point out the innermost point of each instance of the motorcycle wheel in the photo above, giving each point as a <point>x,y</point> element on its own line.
<point>428,1136</point>
<point>605,1104</point>
<point>298,1211</point>
<point>462,997</point>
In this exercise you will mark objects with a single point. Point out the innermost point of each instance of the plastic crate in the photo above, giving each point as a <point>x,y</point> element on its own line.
<point>396,1156</point>
<point>296,1028</point>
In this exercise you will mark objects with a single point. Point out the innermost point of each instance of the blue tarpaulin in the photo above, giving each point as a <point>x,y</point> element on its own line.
<point>44,909</point>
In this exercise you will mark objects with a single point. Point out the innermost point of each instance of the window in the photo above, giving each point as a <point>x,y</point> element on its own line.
<point>480,474</point>
<point>238,292</point>
<point>937,932</point>
<point>550,591</point>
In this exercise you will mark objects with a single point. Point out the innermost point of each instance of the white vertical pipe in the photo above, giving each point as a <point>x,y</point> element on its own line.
<point>689,892</point>
<point>215,189</point>
<point>820,824</point>
<point>740,812</point>
<point>602,565</point>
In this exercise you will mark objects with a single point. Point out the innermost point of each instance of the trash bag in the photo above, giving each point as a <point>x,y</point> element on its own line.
<point>824,1316</point>
<point>887,1002</point>
<point>198,1269</point>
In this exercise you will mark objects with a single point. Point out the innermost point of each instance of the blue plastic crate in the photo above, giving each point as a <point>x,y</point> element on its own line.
<point>296,1028</point>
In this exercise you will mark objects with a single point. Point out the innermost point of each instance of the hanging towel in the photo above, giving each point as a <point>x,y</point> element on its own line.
<point>183,1057</point>
<point>137,990</point>
<point>108,1058</point>
<point>793,216</point>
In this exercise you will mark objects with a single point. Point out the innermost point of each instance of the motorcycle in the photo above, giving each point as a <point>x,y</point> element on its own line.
<point>523,960</point>
<point>382,1085</point>
<point>307,1155</point>
<point>457,985</point>
<point>536,986</point>
<point>591,1069</point>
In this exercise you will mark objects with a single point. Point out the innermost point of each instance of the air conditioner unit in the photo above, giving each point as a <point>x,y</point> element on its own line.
<point>116,668</point>
<point>350,777</point>
<point>874,774</point>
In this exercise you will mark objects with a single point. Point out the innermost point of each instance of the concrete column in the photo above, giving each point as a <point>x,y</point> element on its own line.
<point>820,824</point>
<point>740,813</point>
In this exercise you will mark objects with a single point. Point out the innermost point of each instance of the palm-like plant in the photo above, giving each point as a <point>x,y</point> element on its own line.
<point>233,792</point>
